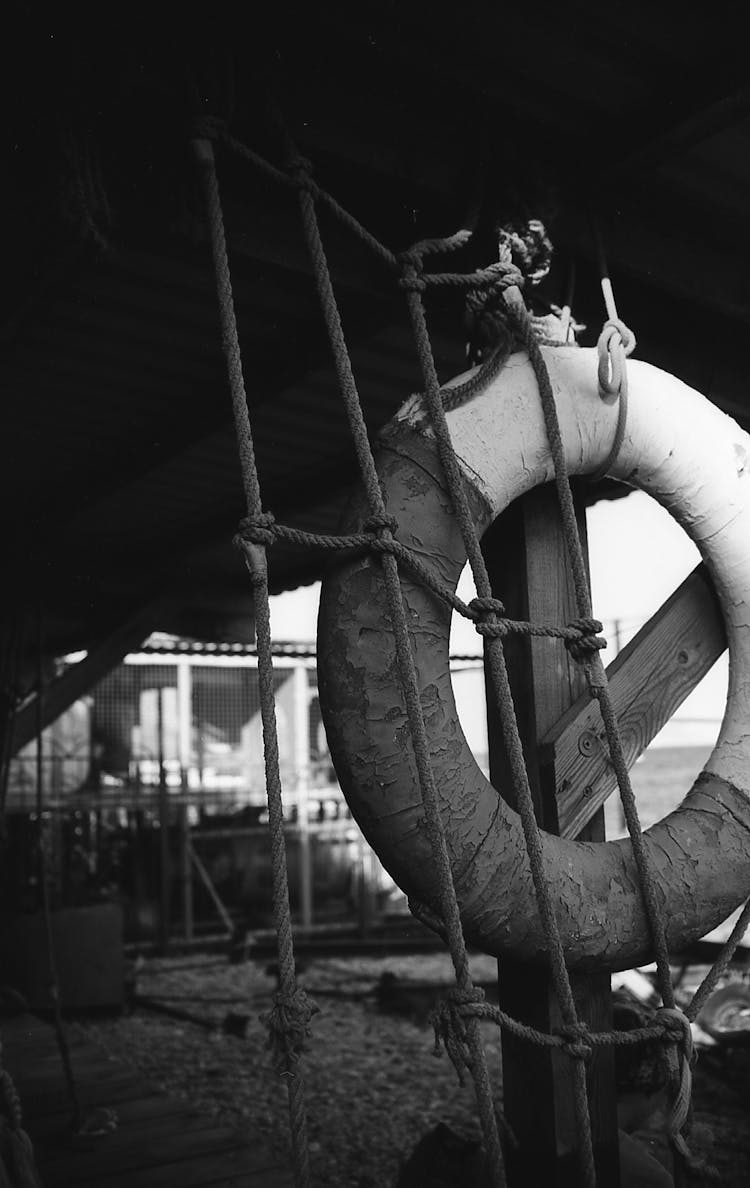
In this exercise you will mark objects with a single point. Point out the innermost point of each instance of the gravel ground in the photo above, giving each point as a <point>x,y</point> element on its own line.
<point>374,1086</point>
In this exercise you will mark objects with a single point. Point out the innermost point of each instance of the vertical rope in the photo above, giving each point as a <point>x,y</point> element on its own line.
<point>449,904</point>
<point>594,667</point>
<point>289,1021</point>
<point>504,698</point>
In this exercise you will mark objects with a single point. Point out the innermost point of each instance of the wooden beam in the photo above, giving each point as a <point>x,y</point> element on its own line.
<point>528,568</point>
<point>649,679</point>
<point>78,679</point>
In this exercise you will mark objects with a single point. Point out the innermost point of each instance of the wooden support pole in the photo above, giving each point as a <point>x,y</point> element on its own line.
<point>525,555</point>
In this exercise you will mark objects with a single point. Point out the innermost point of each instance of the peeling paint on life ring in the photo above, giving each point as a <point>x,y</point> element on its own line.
<point>690,457</point>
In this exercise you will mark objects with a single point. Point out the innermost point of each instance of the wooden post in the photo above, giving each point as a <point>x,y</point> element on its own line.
<point>525,554</point>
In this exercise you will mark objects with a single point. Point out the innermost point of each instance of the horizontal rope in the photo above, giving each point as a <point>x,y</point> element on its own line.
<point>666,1027</point>
<point>581,637</point>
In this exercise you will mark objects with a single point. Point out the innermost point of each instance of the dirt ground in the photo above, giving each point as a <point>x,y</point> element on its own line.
<point>374,1086</point>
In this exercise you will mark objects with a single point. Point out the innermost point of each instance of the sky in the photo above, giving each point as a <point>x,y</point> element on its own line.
<point>638,556</point>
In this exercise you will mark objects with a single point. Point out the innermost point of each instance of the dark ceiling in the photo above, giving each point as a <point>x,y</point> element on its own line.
<point>121,487</point>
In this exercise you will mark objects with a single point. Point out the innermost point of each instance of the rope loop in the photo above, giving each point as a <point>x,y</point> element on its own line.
<point>616,342</point>
<point>577,1041</point>
<point>584,641</point>
<point>288,1024</point>
<point>259,529</point>
<point>448,1020</point>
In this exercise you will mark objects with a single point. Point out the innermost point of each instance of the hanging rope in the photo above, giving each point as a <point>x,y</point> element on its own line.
<point>476,1058</point>
<point>501,688</point>
<point>598,687</point>
<point>616,342</point>
<point>290,1016</point>
<point>456,1020</point>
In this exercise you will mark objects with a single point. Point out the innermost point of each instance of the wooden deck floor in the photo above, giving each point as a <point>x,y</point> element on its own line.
<point>159,1142</point>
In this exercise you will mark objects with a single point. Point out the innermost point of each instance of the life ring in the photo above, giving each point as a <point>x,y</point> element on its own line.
<point>695,461</point>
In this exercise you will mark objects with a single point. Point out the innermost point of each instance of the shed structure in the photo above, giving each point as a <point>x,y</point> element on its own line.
<point>120,483</point>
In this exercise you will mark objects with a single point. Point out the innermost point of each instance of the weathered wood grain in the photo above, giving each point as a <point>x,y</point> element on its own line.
<point>526,556</point>
<point>648,681</point>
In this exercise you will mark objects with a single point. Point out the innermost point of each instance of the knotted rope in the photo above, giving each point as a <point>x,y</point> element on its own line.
<point>288,1024</point>
<point>407,672</point>
<point>504,699</point>
<point>255,560</point>
<point>456,1023</point>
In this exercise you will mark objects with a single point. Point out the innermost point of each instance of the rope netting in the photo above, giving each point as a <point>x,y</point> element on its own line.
<point>457,1020</point>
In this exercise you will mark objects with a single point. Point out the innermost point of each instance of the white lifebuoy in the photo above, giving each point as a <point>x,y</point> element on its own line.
<point>695,461</point>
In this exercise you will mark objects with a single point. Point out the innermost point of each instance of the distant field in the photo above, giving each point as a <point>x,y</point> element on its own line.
<point>661,778</point>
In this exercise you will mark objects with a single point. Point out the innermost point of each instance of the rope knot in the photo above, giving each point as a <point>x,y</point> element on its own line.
<point>412,271</point>
<point>616,342</point>
<point>489,621</point>
<point>288,1024</point>
<point>678,1032</point>
<point>258,529</point>
<point>377,523</point>
<point>448,1019</point>
<point>486,606</point>
<point>677,1029</point>
<point>584,640</point>
<point>576,1041</point>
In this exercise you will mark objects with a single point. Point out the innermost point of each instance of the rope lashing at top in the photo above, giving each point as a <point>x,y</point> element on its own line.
<point>259,530</point>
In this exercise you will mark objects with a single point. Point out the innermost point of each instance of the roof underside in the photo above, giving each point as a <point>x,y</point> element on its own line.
<point>121,485</point>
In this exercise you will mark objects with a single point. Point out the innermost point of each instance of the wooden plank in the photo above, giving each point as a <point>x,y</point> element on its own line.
<point>649,679</point>
<point>528,569</point>
<point>140,1150</point>
<point>223,1166</point>
<point>139,1111</point>
<point>158,1140</point>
